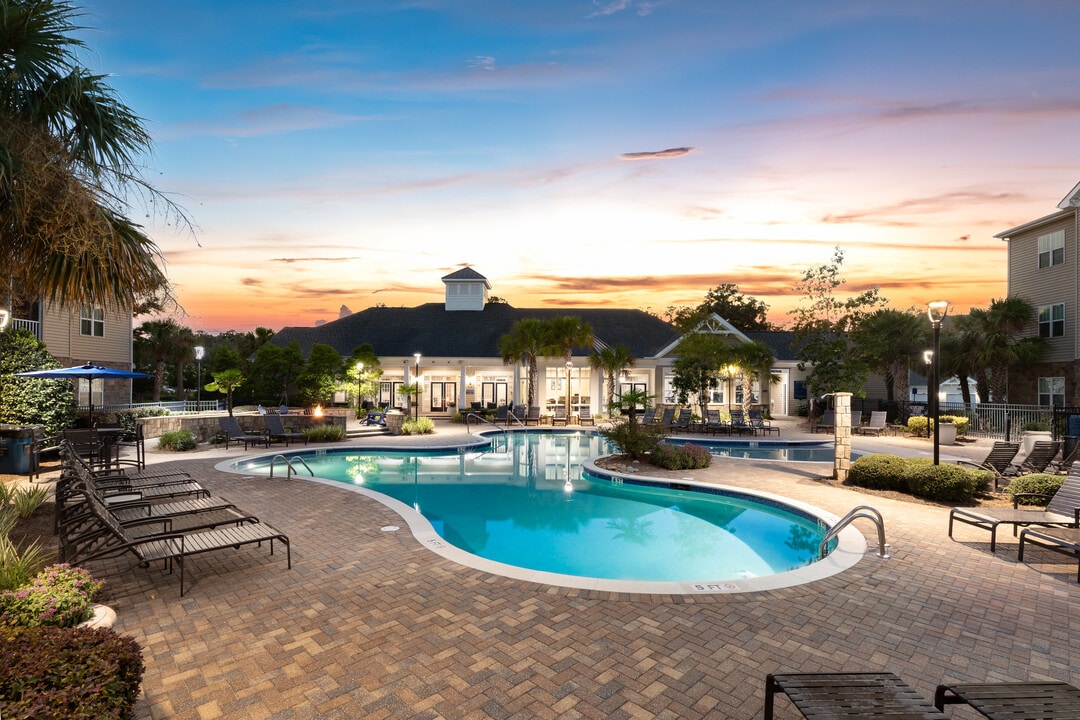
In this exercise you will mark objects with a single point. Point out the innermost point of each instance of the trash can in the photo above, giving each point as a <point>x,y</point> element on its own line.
<point>1072,436</point>
<point>16,449</point>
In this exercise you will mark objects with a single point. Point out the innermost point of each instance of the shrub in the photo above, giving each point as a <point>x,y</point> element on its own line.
<point>1039,483</point>
<point>128,419</point>
<point>59,595</point>
<point>945,483</point>
<point>419,426</point>
<point>680,457</point>
<point>636,440</point>
<point>960,421</point>
<point>18,566</point>
<point>325,433</point>
<point>53,673</point>
<point>28,499</point>
<point>1035,426</point>
<point>177,440</point>
<point>879,471</point>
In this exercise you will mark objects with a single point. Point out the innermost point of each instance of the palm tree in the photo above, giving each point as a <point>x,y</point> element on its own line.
<point>525,344</point>
<point>959,340</point>
<point>611,361</point>
<point>565,334</point>
<point>69,168</point>
<point>1000,343</point>
<point>753,359</point>
<point>890,340</point>
<point>156,343</point>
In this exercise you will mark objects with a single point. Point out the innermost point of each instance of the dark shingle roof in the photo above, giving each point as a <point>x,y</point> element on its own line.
<point>781,342</point>
<point>431,330</point>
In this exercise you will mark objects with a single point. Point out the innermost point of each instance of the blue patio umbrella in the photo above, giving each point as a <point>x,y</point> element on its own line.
<point>89,371</point>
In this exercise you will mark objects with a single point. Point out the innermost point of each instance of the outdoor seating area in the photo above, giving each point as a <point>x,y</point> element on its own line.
<point>682,421</point>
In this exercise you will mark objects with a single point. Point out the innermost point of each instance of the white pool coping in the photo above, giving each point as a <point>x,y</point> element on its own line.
<point>851,545</point>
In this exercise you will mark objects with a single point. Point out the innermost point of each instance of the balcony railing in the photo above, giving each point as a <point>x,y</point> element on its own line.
<point>32,325</point>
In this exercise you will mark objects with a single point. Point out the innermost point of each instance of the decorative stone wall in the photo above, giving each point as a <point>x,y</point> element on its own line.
<point>205,426</point>
<point>842,461</point>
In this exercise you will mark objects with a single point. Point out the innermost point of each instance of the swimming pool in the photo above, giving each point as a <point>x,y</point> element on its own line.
<point>787,451</point>
<point>527,507</point>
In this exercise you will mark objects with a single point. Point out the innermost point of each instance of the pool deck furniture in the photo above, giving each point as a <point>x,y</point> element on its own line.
<point>877,426</point>
<point>277,431</point>
<point>559,418</point>
<point>236,434</point>
<point>1042,454</point>
<point>585,417</point>
<point>826,424</point>
<point>760,424</point>
<point>1064,540</point>
<point>998,461</point>
<point>739,424</point>
<point>1013,701</point>
<point>1063,509</point>
<point>849,695</point>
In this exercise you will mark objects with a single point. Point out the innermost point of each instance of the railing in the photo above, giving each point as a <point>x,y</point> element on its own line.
<point>289,465</point>
<point>32,325</point>
<point>482,419</point>
<point>859,511</point>
<point>1001,421</point>
<point>176,407</point>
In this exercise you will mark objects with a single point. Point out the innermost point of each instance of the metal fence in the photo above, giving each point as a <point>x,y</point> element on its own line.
<point>176,407</point>
<point>1006,421</point>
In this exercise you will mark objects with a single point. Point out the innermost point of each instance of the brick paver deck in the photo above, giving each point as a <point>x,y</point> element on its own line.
<point>368,624</point>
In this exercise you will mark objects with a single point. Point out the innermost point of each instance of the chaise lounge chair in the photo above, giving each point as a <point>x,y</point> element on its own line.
<point>739,424</point>
<point>277,431</point>
<point>585,416</point>
<point>1042,454</point>
<point>1063,510</point>
<point>559,418</point>
<point>877,425</point>
<point>998,461</point>
<point>827,422</point>
<point>849,695</point>
<point>236,434</point>
<point>759,423</point>
<point>1015,700</point>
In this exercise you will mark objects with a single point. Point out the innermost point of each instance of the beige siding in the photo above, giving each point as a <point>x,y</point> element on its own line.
<point>60,331</point>
<point>1048,286</point>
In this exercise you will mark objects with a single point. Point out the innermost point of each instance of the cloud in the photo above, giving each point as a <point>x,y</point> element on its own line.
<point>656,154</point>
<point>251,282</point>
<point>279,119</point>
<point>920,206</point>
<point>482,62</point>
<point>612,7</point>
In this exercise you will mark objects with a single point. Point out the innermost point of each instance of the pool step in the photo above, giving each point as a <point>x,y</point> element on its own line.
<point>365,431</point>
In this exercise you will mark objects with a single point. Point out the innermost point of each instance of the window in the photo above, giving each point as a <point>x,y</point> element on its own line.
<point>92,322</point>
<point>1052,391</point>
<point>1052,249</point>
<point>1052,321</point>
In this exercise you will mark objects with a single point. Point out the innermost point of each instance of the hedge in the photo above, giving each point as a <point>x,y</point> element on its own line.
<point>1040,483</point>
<point>919,477</point>
<point>680,457</point>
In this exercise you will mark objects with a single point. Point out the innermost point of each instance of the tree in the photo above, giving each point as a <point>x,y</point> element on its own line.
<point>701,358</point>
<point>564,334</point>
<point>997,334</point>
<point>745,313</point>
<point>274,370</point>
<point>959,339</point>
<point>890,341</point>
<point>30,401</point>
<point>362,371</point>
<point>525,344</point>
<point>611,361</point>
<point>70,168</point>
<point>156,345</point>
<point>321,376</point>
<point>823,330</point>
<point>226,381</point>
<point>753,360</point>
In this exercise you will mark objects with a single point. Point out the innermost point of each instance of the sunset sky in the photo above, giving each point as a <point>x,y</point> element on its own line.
<point>591,153</point>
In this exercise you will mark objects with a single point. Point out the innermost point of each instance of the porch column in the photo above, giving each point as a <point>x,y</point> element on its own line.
<point>842,460</point>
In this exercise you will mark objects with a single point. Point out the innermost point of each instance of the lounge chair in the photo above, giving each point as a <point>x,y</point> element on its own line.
<point>713,423</point>
<point>1063,510</point>
<point>502,414</point>
<point>585,416</point>
<point>236,434</point>
<point>1042,454</point>
<point>1013,699</point>
<point>176,546</point>
<point>739,424</point>
<point>1065,540</point>
<point>649,416</point>
<point>682,421</point>
<point>1063,466</point>
<point>560,415</point>
<point>849,695</point>
<point>277,431</point>
<point>878,424</point>
<point>532,416</point>
<point>827,422</point>
<point>758,422</point>
<point>998,461</point>
<point>667,419</point>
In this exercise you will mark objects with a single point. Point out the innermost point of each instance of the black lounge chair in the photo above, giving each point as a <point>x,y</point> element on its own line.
<point>827,422</point>
<point>739,424</point>
<point>849,695</point>
<point>667,419</point>
<point>998,461</point>
<point>649,416</point>
<point>682,421</point>
<point>1042,454</point>
<point>713,424</point>
<point>1013,700</point>
<point>559,418</point>
<point>277,431</point>
<point>533,415</point>
<point>236,434</point>
<point>1062,510</point>
<point>758,422</point>
<point>1064,540</point>
<point>585,416</point>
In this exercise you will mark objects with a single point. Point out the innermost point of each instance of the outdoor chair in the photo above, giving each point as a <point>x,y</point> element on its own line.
<point>999,461</point>
<point>1015,700</point>
<point>276,430</point>
<point>1062,510</point>
<point>585,416</point>
<point>878,424</point>
<point>739,424</point>
<point>136,441</point>
<point>1063,466</point>
<point>1042,454</point>
<point>667,419</point>
<point>827,422</point>
<point>519,413</point>
<point>758,422</point>
<point>713,423</point>
<point>502,414</point>
<point>560,416</point>
<point>682,421</point>
<point>849,695</point>
<point>1064,540</point>
<point>236,434</point>
<point>649,417</point>
<point>533,416</point>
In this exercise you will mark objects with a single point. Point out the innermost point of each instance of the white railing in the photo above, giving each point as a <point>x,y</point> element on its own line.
<point>32,325</point>
<point>998,420</point>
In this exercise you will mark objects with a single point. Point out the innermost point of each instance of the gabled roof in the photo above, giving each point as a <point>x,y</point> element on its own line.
<point>1072,199</point>
<point>466,274</point>
<point>781,342</point>
<point>1045,220</point>
<point>431,330</point>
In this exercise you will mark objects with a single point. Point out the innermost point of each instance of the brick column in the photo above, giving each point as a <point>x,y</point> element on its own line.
<point>842,460</point>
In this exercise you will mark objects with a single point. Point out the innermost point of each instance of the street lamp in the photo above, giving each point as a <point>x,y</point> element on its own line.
<point>569,365</point>
<point>416,382</point>
<point>359,386</point>
<point>937,311</point>
<point>200,353</point>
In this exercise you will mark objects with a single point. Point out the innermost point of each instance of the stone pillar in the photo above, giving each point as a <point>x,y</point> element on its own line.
<point>842,461</point>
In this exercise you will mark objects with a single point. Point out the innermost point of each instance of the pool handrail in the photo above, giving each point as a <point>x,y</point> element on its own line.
<point>498,427</point>
<point>289,465</point>
<point>854,514</point>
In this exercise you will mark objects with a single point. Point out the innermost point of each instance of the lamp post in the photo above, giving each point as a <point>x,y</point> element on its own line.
<point>569,365</point>
<point>928,358</point>
<point>359,386</point>
<point>200,353</point>
<point>416,383</point>
<point>937,311</point>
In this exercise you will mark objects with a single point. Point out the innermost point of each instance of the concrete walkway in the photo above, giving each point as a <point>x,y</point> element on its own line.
<point>370,624</point>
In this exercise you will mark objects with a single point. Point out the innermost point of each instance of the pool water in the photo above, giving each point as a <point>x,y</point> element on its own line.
<point>801,451</point>
<point>526,502</point>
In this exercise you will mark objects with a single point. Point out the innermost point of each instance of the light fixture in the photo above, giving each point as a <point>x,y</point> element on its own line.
<point>569,365</point>
<point>200,353</point>
<point>359,386</point>
<point>936,311</point>
<point>416,382</point>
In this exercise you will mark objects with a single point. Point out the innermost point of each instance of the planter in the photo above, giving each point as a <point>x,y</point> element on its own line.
<point>947,434</point>
<point>1031,436</point>
<point>393,422</point>
<point>104,617</point>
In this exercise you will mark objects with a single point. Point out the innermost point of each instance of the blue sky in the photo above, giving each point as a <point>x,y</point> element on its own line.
<point>352,152</point>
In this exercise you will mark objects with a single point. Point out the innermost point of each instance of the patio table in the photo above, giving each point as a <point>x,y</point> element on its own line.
<point>834,696</point>
<point>997,701</point>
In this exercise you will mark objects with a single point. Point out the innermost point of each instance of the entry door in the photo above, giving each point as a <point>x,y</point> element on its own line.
<point>494,393</point>
<point>442,394</point>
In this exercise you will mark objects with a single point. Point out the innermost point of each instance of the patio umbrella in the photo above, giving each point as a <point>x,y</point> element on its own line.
<point>89,371</point>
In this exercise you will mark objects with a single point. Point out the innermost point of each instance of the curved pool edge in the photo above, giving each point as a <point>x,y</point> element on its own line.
<point>850,548</point>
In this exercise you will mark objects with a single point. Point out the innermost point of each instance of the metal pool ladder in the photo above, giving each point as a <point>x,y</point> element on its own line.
<point>859,511</point>
<point>289,464</point>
